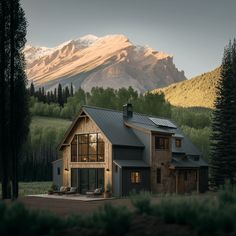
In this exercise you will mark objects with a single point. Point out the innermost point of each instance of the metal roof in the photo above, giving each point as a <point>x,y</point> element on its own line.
<point>131,163</point>
<point>187,162</point>
<point>119,130</point>
<point>112,125</point>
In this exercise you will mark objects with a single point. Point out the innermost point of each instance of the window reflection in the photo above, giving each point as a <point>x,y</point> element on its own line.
<point>87,148</point>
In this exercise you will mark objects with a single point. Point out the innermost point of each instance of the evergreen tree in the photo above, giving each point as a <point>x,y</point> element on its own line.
<point>32,89</point>
<point>71,90</point>
<point>60,96</point>
<point>223,140</point>
<point>15,110</point>
<point>4,161</point>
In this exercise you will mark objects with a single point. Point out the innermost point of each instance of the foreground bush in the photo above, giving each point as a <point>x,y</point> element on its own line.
<point>17,220</point>
<point>114,220</point>
<point>142,202</point>
<point>209,216</point>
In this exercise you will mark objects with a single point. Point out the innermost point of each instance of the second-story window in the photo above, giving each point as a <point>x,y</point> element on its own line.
<point>87,148</point>
<point>178,142</point>
<point>161,143</point>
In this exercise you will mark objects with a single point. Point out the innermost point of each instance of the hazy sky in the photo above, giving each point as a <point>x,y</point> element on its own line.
<point>193,31</point>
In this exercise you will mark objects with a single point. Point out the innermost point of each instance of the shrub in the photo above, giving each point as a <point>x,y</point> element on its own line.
<point>142,202</point>
<point>114,220</point>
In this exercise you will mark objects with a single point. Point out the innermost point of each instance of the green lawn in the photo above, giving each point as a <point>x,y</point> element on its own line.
<point>31,188</point>
<point>48,122</point>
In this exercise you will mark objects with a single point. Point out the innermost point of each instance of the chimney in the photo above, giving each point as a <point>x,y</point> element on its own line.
<point>128,111</point>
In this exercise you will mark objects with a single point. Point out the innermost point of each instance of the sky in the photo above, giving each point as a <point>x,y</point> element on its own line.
<point>194,32</point>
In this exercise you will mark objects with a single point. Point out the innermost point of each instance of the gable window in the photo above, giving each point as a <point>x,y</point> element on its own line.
<point>161,143</point>
<point>158,175</point>
<point>135,177</point>
<point>87,148</point>
<point>178,142</point>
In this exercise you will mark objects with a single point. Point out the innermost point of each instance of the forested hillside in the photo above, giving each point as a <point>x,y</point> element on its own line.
<point>50,122</point>
<point>199,91</point>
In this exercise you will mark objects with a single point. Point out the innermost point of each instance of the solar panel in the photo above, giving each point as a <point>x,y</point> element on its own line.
<point>163,122</point>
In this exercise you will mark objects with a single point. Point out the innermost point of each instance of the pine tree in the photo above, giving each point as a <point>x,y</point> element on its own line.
<point>223,151</point>
<point>71,90</point>
<point>60,96</point>
<point>32,89</point>
<point>15,110</point>
<point>4,161</point>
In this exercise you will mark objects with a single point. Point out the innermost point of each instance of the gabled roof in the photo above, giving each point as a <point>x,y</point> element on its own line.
<point>119,131</point>
<point>112,125</point>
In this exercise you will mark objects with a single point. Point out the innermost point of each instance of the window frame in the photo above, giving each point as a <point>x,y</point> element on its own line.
<point>178,142</point>
<point>164,146</point>
<point>135,177</point>
<point>84,154</point>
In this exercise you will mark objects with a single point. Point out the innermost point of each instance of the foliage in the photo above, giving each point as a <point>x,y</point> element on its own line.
<point>199,91</point>
<point>209,216</point>
<point>14,112</point>
<point>17,220</point>
<point>200,138</point>
<point>223,145</point>
<point>40,148</point>
<point>114,220</point>
<point>142,202</point>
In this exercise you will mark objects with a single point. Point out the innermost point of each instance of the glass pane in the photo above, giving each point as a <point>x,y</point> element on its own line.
<point>74,140</point>
<point>101,158</point>
<point>74,177</point>
<point>100,178</point>
<point>101,148</point>
<point>83,138</point>
<point>83,149</point>
<point>93,158</point>
<point>92,138</point>
<point>92,148</point>
<point>92,179</point>
<point>100,138</point>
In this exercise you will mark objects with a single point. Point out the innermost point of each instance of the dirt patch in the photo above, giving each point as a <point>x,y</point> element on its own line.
<point>62,207</point>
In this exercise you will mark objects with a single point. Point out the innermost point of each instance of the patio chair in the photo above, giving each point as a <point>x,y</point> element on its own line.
<point>61,191</point>
<point>96,192</point>
<point>73,190</point>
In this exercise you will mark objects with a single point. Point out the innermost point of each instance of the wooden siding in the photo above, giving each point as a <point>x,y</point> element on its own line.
<point>161,159</point>
<point>86,125</point>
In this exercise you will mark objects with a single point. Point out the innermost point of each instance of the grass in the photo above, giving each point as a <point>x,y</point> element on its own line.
<point>31,188</point>
<point>48,122</point>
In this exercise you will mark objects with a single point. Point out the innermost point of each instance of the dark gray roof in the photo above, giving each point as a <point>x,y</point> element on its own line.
<point>131,163</point>
<point>112,125</point>
<point>180,162</point>
<point>187,146</point>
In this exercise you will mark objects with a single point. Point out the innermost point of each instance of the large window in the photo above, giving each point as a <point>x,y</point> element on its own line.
<point>87,148</point>
<point>135,177</point>
<point>161,143</point>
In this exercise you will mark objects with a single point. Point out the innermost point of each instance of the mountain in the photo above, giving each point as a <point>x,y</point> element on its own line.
<point>110,61</point>
<point>199,91</point>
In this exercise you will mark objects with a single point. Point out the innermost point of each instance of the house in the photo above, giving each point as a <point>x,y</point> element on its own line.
<point>126,151</point>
